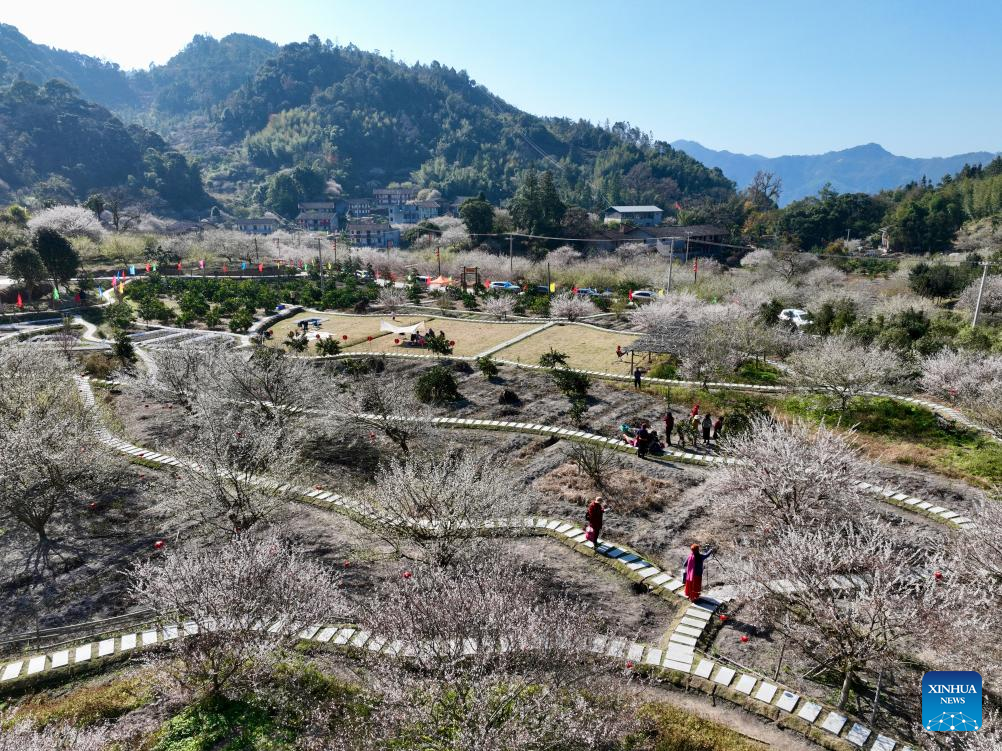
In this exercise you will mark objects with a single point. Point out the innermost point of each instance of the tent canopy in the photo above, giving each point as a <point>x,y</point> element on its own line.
<point>441,281</point>
<point>399,329</point>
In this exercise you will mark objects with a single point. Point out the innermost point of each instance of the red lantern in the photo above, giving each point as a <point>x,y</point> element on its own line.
<point>346,564</point>
<point>452,344</point>
<point>318,487</point>
<point>344,337</point>
<point>396,341</point>
<point>408,574</point>
<point>92,505</point>
<point>629,664</point>
<point>159,544</point>
<point>723,618</point>
<point>369,338</point>
<point>938,576</point>
<point>744,638</point>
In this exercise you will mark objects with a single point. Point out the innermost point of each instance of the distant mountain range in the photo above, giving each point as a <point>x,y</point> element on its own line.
<point>861,169</point>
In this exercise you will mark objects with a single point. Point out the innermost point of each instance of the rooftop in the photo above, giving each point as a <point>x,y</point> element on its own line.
<point>634,209</point>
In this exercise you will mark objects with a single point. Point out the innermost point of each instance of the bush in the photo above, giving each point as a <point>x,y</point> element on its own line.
<point>509,398</point>
<point>553,359</point>
<point>89,705</point>
<point>667,370</point>
<point>595,461</point>
<point>296,342</point>
<point>487,367</point>
<point>437,386</point>
<point>571,384</point>
<point>123,348</point>
<point>212,317</point>
<point>439,345</point>
<point>360,366</point>
<point>98,365</point>
<point>328,346</point>
<point>469,301</point>
<point>241,321</point>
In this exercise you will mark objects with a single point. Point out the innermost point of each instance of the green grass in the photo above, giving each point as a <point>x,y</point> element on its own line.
<point>908,434</point>
<point>668,728</point>
<point>759,373</point>
<point>88,705</point>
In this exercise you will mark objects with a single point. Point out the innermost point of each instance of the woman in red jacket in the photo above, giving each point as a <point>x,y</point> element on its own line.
<point>693,576</point>
<point>595,516</point>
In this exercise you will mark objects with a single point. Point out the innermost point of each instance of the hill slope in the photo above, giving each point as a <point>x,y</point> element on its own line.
<point>861,169</point>
<point>53,144</point>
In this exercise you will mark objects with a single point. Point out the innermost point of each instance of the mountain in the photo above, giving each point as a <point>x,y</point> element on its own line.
<point>861,169</point>
<point>97,80</point>
<point>56,145</point>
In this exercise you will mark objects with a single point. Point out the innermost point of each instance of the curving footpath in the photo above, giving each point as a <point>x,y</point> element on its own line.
<point>677,659</point>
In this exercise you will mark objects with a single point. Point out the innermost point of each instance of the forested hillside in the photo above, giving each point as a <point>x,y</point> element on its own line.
<point>60,147</point>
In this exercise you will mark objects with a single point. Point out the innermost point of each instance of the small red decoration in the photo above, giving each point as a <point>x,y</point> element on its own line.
<point>452,344</point>
<point>723,618</point>
<point>92,505</point>
<point>318,487</point>
<point>159,544</point>
<point>369,338</point>
<point>347,564</point>
<point>938,576</point>
<point>396,341</point>
<point>629,664</point>
<point>744,638</point>
<point>408,574</point>
<point>344,337</point>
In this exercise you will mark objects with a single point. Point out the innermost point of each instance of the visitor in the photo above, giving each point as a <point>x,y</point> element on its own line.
<point>619,352</point>
<point>680,430</point>
<point>694,411</point>
<point>669,421</point>
<point>707,429</point>
<point>595,516</point>
<point>643,441</point>
<point>636,377</point>
<point>692,577</point>
<point>718,425</point>
<point>626,430</point>
<point>656,448</point>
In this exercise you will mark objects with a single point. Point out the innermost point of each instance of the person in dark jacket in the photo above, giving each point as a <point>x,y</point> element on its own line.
<point>693,574</point>
<point>707,428</point>
<point>669,425</point>
<point>643,441</point>
<point>637,373</point>
<point>595,515</point>
<point>718,425</point>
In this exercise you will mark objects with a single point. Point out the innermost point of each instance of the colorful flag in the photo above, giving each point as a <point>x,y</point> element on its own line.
<point>76,297</point>
<point>243,265</point>
<point>631,294</point>
<point>100,290</point>
<point>178,265</point>
<point>553,287</point>
<point>154,267</point>
<point>226,269</point>
<point>20,302</point>
<point>55,293</point>
<point>260,268</point>
<point>132,270</point>
<point>201,263</point>
<point>147,268</point>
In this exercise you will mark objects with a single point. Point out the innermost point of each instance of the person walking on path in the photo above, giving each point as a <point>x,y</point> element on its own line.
<point>595,516</point>
<point>718,425</point>
<point>619,352</point>
<point>694,411</point>
<point>707,429</point>
<point>643,440</point>
<point>693,574</point>
<point>669,424</point>
<point>637,373</point>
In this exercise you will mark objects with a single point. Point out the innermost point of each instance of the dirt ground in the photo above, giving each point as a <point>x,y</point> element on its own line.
<point>585,347</point>
<point>356,328</point>
<point>471,337</point>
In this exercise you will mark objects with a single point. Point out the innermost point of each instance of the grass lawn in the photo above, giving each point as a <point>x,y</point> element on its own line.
<point>903,433</point>
<point>585,347</point>
<point>471,337</point>
<point>356,328</point>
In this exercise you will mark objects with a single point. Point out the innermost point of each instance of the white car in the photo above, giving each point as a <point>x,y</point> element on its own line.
<point>643,295</point>
<point>798,318</point>
<point>505,287</point>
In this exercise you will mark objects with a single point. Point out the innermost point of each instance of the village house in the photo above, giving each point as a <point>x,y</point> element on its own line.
<point>638,216</point>
<point>393,196</point>
<point>372,234</point>
<point>257,225</point>
<point>357,207</point>
<point>413,212</point>
<point>699,239</point>
<point>317,216</point>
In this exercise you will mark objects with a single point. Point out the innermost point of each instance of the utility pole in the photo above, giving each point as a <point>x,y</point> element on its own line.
<point>320,252</point>
<point>511,253</point>
<point>438,256</point>
<point>548,282</point>
<point>671,261</point>
<point>687,248</point>
<point>981,290</point>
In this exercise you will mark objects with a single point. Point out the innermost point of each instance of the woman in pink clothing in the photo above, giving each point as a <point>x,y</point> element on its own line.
<point>693,576</point>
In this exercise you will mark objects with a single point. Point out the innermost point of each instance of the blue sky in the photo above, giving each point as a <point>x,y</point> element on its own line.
<point>776,77</point>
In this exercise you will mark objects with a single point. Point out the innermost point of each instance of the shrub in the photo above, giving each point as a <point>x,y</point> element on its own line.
<point>571,384</point>
<point>553,359</point>
<point>437,386</point>
<point>593,460</point>
<point>509,398</point>
<point>212,317</point>
<point>487,366</point>
<point>439,345</point>
<point>296,342</point>
<point>328,346</point>
<point>668,370</point>
<point>241,321</point>
<point>123,348</point>
<point>98,365</point>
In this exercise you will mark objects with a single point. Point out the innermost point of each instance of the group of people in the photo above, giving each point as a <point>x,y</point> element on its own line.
<point>647,441</point>
<point>707,426</point>
<point>421,340</point>
<point>692,569</point>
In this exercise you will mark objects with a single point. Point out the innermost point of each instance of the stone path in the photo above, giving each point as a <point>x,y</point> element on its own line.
<point>680,655</point>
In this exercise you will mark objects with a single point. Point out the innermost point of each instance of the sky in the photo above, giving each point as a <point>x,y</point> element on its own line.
<point>775,77</point>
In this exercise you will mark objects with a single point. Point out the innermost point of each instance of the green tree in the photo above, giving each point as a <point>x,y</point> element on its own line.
<point>241,321</point>
<point>478,215</point>
<point>26,267</point>
<point>285,190</point>
<point>58,255</point>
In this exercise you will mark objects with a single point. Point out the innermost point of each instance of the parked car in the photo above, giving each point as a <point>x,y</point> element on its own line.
<point>797,317</point>
<point>643,295</point>
<point>505,286</point>
<point>588,292</point>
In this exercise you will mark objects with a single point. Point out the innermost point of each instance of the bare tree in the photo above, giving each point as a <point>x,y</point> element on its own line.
<point>789,263</point>
<point>438,502</point>
<point>785,473</point>
<point>970,380</point>
<point>572,307</point>
<point>392,299</point>
<point>24,736</point>
<point>849,597</point>
<point>242,606</point>
<point>69,221</point>
<point>50,465</point>
<point>594,460</point>
<point>843,369</point>
<point>499,306</point>
<point>489,663</point>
